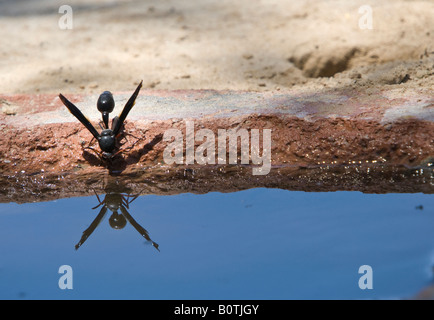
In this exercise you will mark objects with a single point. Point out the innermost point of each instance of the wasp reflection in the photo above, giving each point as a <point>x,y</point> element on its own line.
<point>115,202</point>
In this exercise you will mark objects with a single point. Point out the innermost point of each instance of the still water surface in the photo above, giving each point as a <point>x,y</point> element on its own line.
<point>252,244</point>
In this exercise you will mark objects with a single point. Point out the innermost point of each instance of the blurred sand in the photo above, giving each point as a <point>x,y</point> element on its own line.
<point>214,44</point>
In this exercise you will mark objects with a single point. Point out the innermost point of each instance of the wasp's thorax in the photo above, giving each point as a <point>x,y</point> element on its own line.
<point>107,141</point>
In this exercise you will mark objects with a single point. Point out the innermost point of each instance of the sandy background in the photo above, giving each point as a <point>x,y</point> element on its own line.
<point>214,44</point>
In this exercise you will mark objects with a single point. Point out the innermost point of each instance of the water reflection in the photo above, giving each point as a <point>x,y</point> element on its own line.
<point>114,201</point>
<point>253,244</point>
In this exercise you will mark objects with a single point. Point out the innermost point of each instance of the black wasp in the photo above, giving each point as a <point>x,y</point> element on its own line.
<point>108,139</point>
<point>114,202</point>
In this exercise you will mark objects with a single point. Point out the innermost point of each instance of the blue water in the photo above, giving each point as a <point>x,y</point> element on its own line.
<point>253,244</point>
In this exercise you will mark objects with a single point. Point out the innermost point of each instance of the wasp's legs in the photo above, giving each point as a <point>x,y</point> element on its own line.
<point>126,199</point>
<point>134,144</point>
<point>89,144</point>
<point>125,149</point>
<point>129,134</point>
<point>88,147</point>
<point>101,125</point>
<point>99,200</point>
<point>96,152</point>
<point>134,198</point>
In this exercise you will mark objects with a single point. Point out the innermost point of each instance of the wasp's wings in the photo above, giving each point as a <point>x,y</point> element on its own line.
<point>80,116</point>
<point>117,125</point>
<point>93,225</point>
<point>138,227</point>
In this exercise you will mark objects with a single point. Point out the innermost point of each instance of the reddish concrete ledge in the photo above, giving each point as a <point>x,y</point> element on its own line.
<point>41,139</point>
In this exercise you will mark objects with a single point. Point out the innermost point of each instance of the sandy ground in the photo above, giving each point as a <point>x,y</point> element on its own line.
<point>214,44</point>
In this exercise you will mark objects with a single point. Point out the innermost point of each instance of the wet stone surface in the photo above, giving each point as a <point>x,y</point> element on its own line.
<point>169,180</point>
